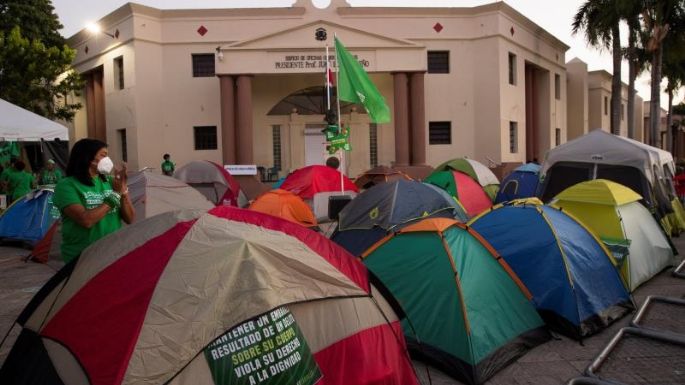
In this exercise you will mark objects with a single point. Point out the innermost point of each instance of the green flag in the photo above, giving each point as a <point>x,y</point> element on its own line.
<point>355,86</point>
<point>8,150</point>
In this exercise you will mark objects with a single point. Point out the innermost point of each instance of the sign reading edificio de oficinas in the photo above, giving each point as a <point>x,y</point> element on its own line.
<point>310,61</point>
<point>267,350</point>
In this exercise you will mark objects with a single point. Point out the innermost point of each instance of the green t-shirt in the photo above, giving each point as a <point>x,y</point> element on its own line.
<point>75,238</point>
<point>6,174</point>
<point>168,167</point>
<point>50,177</point>
<point>19,183</point>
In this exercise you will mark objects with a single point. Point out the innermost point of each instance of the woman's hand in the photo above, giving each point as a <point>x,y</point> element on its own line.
<point>119,183</point>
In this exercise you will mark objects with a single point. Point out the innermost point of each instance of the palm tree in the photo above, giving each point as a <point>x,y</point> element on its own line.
<point>658,17</point>
<point>634,54</point>
<point>600,20</point>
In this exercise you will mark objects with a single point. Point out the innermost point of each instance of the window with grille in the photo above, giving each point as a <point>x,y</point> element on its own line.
<point>203,65</point>
<point>440,132</point>
<point>276,136</point>
<point>512,69</point>
<point>557,136</point>
<point>606,105</point>
<point>123,145</point>
<point>557,86</point>
<point>205,137</point>
<point>119,73</point>
<point>438,62</point>
<point>373,144</point>
<point>513,137</point>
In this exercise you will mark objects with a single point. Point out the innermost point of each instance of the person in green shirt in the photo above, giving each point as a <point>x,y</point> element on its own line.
<point>50,174</point>
<point>9,169</point>
<point>168,166</point>
<point>19,182</point>
<point>93,198</point>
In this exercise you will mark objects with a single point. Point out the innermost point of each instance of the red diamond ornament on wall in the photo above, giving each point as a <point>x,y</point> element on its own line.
<point>86,49</point>
<point>438,27</point>
<point>202,30</point>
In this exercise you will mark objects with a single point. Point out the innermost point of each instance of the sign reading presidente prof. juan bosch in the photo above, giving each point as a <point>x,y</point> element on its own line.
<point>311,62</point>
<point>267,350</point>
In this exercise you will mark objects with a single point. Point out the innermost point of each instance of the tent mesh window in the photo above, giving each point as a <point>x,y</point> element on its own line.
<point>638,356</point>
<point>663,314</point>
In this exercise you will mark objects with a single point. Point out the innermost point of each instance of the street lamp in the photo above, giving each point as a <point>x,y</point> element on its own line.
<point>95,29</point>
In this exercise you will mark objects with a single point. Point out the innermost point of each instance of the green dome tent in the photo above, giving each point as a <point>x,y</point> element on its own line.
<point>466,311</point>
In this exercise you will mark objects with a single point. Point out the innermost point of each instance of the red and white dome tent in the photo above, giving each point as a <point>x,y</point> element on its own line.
<point>174,298</point>
<point>213,181</point>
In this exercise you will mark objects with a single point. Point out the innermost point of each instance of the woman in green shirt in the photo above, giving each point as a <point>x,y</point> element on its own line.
<point>93,202</point>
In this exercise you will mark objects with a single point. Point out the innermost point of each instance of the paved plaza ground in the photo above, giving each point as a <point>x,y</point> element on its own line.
<point>550,364</point>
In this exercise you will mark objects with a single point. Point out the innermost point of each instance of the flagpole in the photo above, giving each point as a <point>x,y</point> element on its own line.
<point>340,127</point>
<point>328,82</point>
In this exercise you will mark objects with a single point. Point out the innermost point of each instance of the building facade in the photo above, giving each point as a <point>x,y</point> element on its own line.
<point>245,86</point>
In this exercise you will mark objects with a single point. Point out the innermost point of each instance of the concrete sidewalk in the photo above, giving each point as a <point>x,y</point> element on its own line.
<point>553,363</point>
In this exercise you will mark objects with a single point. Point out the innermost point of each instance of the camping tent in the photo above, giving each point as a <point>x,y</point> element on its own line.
<point>26,127</point>
<point>598,155</point>
<point>574,283</point>
<point>286,205</point>
<point>29,218</point>
<point>388,207</point>
<point>18,124</point>
<point>213,181</point>
<point>521,183</point>
<point>469,193</point>
<point>466,313</point>
<point>315,184</point>
<point>379,174</point>
<point>150,193</point>
<point>191,297</point>
<point>613,213</point>
<point>476,170</point>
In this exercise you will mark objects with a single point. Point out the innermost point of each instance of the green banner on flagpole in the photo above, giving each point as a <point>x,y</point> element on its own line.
<point>355,86</point>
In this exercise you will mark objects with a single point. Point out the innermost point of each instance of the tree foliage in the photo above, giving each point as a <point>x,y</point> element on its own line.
<point>35,62</point>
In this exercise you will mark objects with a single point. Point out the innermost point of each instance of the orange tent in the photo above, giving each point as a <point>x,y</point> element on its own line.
<point>286,205</point>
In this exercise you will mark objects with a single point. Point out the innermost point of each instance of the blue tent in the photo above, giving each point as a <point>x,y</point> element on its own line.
<point>570,274</point>
<point>29,218</point>
<point>521,183</point>
<point>388,207</point>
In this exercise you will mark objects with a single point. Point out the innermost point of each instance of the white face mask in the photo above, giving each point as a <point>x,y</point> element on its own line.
<point>105,166</point>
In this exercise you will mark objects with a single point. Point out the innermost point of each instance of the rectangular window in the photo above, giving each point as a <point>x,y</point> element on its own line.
<point>276,136</point>
<point>439,132</point>
<point>119,73</point>
<point>513,137</point>
<point>373,144</point>
<point>203,65</point>
<point>623,116</point>
<point>606,105</point>
<point>557,136</point>
<point>512,69</point>
<point>438,62</point>
<point>557,86</point>
<point>205,137</point>
<point>123,145</point>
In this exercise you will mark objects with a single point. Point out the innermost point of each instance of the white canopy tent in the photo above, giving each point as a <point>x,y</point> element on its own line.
<point>18,124</point>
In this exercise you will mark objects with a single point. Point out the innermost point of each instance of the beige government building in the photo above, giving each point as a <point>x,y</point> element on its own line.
<point>246,86</point>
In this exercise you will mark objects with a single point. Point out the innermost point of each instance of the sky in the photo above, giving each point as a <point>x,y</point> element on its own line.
<point>554,16</point>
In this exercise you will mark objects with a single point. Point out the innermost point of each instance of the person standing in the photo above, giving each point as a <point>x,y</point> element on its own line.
<point>19,182</point>
<point>168,166</point>
<point>50,174</point>
<point>93,198</point>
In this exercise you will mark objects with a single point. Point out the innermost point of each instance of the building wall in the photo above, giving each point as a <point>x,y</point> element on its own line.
<point>162,102</point>
<point>577,98</point>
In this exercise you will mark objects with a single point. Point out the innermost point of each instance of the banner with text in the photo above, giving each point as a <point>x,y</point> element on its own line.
<point>267,350</point>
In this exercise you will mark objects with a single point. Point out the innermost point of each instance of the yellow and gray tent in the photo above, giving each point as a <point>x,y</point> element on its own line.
<point>613,212</point>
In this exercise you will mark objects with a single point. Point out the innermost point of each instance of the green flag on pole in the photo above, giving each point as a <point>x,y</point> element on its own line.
<point>355,86</point>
